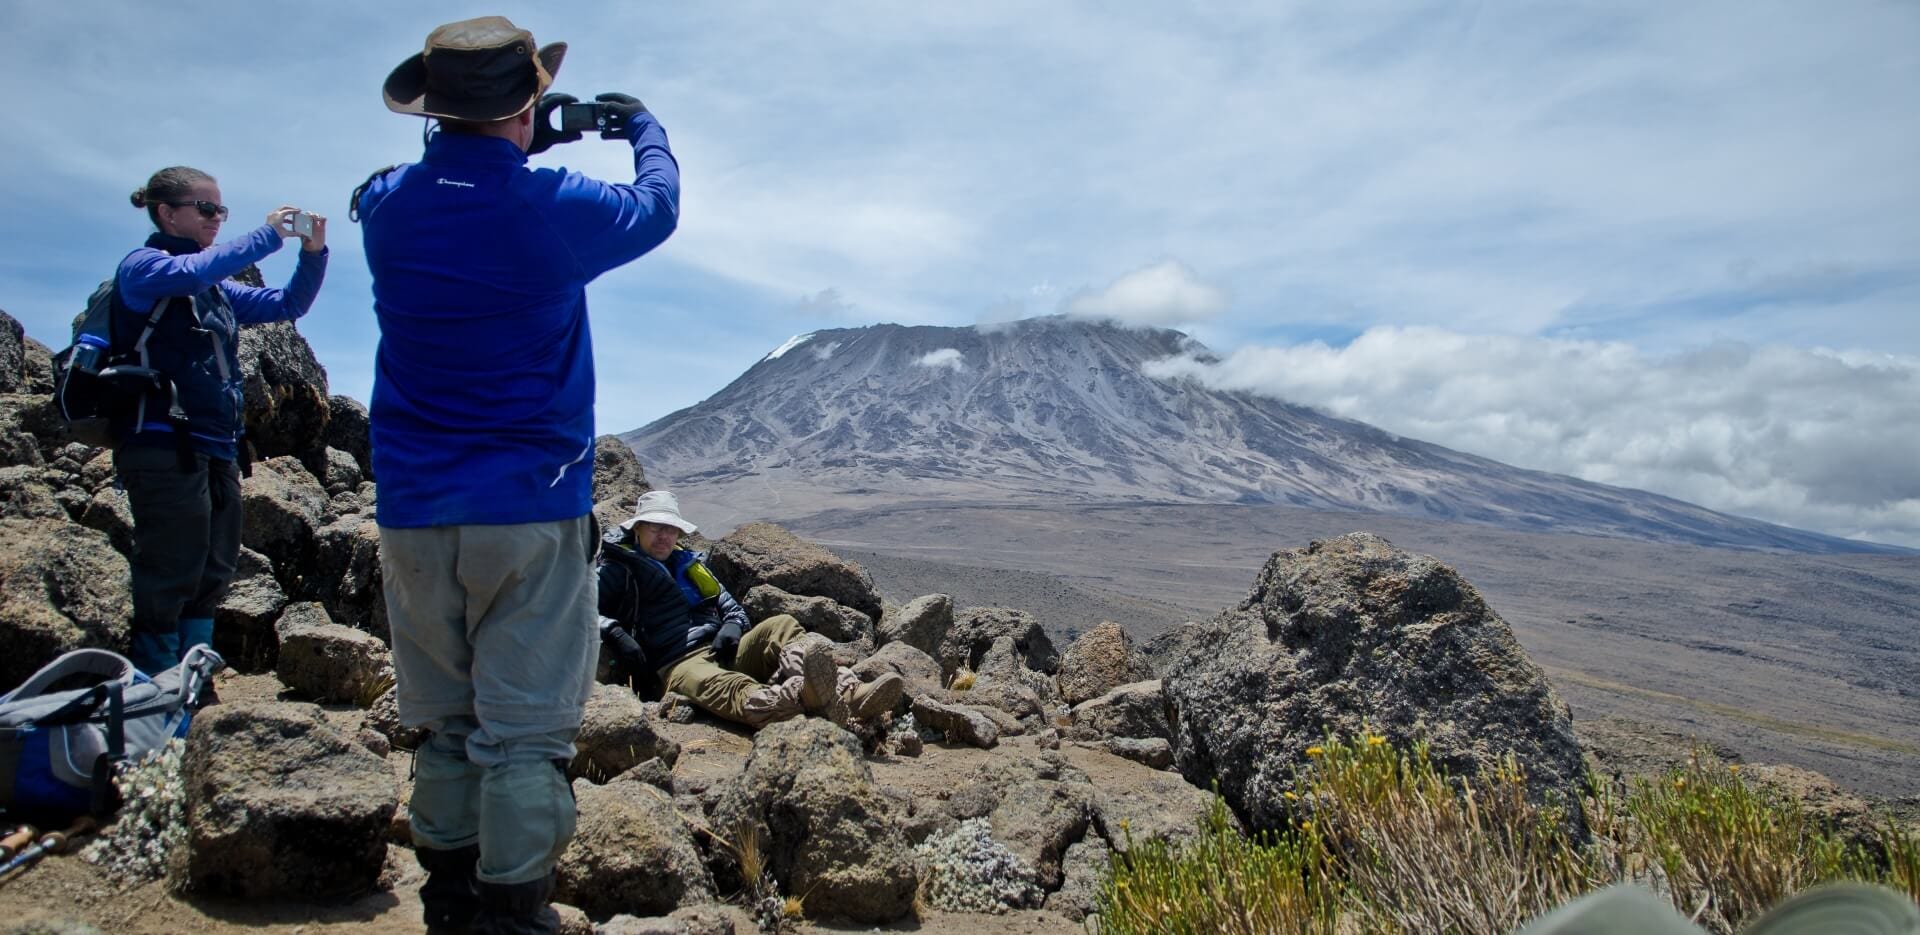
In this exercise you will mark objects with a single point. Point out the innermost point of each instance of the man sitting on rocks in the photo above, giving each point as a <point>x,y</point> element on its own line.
<point>661,608</point>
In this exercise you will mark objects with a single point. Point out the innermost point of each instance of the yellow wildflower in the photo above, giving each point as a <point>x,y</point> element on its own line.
<point>1376,740</point>
<point>1290,796</point>
<point>1734,768</point>
<point>1316,750</point>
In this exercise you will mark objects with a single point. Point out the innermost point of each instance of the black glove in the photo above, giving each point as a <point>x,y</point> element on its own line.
<point>544,135</point>
<point>626,651</point>
<point>726,644</point>
<point>622,108</point>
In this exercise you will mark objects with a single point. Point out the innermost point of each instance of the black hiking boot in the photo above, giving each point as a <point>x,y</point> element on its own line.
<point>450,897</point>
<point>517,909</point>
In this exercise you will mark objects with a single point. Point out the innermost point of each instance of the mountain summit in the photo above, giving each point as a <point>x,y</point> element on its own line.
<point>1055,409</point>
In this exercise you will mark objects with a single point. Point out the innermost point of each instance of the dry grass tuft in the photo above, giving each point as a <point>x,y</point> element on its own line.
<point>962,680</point>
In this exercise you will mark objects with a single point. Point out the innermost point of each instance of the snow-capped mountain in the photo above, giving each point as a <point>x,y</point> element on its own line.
<point>1055,409</point>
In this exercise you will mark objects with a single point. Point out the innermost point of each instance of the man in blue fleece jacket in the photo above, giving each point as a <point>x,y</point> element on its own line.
<point>482,430</point>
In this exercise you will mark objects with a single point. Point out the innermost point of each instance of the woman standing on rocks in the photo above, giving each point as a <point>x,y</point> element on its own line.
<point>177,449</point>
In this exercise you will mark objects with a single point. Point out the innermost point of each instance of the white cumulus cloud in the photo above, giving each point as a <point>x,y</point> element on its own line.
<point>1812,438</point>
<point>947,357</point>
<point>1165,294</point>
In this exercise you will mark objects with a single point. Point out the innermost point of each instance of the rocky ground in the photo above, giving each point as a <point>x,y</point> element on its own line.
<point>1029,746</point>
<point>1784,658</point>
<point>66,892</point>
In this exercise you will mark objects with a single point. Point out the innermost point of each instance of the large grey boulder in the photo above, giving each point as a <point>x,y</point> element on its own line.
<point>286,391</point>
<point>618,480</point>
<point>327,662</point>
<point>1101,660</point>
<point>1136,710</point>
<point>62,587</point>
<point>821,615</point>
<point>284,505</point>
<point>631,853</point>
<point>345,574</point>
<point>957,722</point>
<point>976,628</point>
<point>281,806</point>
<point>349,430</point>
<point>918,668</point>
<point>806,799</point>
<point>1353,634</point>
<point>922,624</point>
<point>1153,805</point>
<point>617,734</point>
<point>1003,680</point>
<point>762,553</point>
<point>243,624</point>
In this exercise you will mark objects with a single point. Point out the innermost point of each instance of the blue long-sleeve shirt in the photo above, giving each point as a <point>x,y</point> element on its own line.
<point>200,351</point>
<point>150,274</point>
<point>482,409</point>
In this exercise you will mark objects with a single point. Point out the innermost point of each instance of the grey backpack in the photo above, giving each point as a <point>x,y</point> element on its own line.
<point>64,729</point>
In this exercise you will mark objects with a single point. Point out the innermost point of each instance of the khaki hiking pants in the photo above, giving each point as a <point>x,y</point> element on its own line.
<point>761,687</point>
<point>494,643</point>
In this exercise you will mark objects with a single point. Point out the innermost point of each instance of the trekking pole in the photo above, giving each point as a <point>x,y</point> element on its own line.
<point>15,840</point>
<point>53,842</point>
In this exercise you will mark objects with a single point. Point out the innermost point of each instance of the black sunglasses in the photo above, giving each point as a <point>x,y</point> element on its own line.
<point>207,208</point>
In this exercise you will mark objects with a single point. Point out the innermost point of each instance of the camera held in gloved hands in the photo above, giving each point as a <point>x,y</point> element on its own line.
<point>726,644</point>
<point>610,113</point>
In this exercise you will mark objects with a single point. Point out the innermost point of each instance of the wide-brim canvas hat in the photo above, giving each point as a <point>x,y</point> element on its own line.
<point>659,506</point>
<point>477,70</point>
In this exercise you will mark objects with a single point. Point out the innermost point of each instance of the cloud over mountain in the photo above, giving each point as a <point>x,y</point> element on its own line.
<point>1812,438</point>
<point>946,357</point>
<point>1162,295</point>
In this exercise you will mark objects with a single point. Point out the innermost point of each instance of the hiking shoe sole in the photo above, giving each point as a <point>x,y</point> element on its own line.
<point>818,692</point>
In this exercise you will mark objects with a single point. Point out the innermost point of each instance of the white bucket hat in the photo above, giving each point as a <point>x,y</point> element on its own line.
<point>659,506</point>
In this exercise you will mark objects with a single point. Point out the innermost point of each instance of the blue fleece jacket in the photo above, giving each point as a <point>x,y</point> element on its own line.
<point>482,407</point>
<point>198,347</point>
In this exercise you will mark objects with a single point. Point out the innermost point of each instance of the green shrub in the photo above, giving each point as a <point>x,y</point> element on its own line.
<point>1219,882</point>
<point>1381,840</point>
<point>1903,859</point>
<point>1728,850</point>
<point>1422,851</point>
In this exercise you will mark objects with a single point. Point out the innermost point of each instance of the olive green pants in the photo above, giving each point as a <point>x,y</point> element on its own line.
<point>723,692</point>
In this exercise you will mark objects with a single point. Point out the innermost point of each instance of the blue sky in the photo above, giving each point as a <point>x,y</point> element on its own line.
<point>1670,246</point>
